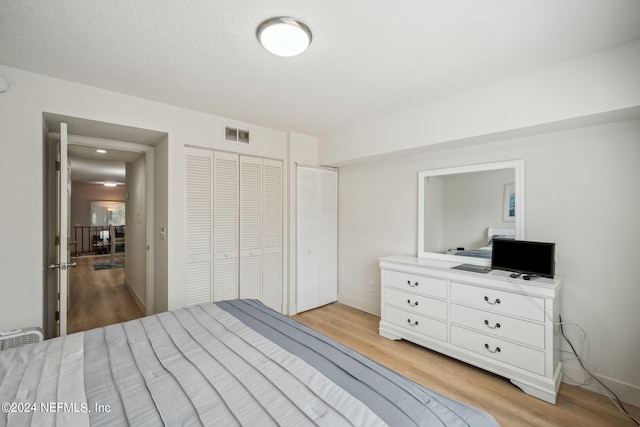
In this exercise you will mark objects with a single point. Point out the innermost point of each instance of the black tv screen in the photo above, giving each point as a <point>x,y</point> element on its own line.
<point>521,256</point>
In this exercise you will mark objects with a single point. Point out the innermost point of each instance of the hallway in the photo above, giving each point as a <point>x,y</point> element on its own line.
<point>98,297</point>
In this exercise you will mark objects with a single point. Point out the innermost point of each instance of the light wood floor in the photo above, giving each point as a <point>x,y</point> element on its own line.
<point>98,297</point>
<point>496,395</point>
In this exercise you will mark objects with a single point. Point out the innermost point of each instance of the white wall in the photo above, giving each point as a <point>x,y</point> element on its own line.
<point>161,219</point>
<point>21,159</point>
<point>136,230</point>
<point>581,192</point>
<point>83,194</point>
<point>567,121</point>
<point>568,94</point>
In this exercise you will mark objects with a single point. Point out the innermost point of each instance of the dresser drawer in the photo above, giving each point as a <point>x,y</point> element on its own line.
<point>498,325</point>
<point>416,303</point>
<point>414,322</point>
<point>513,354</point>
<point>498,301</point>
<point>416,283</point>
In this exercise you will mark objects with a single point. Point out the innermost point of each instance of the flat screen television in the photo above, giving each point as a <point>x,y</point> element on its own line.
<point>524,257</point>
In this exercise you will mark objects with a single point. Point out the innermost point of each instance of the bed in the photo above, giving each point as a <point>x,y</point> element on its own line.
<point>485,251</point>
<point>228,363</point>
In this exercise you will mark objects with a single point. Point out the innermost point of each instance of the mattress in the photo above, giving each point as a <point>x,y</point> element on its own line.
<point>227,363</point>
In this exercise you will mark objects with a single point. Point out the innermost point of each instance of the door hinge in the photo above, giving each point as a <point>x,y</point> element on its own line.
<point>57,165</point>
<point>57,242</point>
<point>57,316</point>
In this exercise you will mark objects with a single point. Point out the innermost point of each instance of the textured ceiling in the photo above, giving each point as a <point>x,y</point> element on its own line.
<point>368,58</point>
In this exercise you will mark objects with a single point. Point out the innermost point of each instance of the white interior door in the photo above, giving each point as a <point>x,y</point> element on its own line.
<point>307,212</point>
<point>199,222</point>
<point>272,234</point>
<point>316,237</point>
<point>63,190</point>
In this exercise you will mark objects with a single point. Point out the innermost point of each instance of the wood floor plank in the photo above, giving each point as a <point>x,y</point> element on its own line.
<point>510,406</point>
<point>98,297</point>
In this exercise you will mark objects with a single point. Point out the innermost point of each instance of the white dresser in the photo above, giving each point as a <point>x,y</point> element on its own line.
<point>492,321</point>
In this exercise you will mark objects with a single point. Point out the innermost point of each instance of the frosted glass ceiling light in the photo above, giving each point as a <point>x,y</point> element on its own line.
<point>284,36</point>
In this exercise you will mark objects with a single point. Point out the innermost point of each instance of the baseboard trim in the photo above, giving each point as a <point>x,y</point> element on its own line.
<point>370,308</point>
<point>136,298</point>
<point>627,393</point>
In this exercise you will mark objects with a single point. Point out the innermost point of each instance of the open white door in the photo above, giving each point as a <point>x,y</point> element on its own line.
<point>62,230</point>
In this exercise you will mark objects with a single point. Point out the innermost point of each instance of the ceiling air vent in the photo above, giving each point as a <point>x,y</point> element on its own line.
<point>236,135</point>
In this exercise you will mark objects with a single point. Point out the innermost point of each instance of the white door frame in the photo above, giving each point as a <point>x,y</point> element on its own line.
<point>148,150</point>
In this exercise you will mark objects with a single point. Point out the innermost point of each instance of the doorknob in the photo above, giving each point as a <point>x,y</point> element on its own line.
<point>62,266</point>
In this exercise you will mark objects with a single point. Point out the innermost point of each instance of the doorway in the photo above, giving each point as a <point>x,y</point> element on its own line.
<point>110,227</point>
<point>108,283</point>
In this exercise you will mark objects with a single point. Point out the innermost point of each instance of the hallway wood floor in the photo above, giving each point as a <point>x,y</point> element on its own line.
<point>509,406</point>
<point>98,297</point>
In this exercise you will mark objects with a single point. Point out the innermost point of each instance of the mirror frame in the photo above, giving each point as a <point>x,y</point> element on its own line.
<point>518,169</point>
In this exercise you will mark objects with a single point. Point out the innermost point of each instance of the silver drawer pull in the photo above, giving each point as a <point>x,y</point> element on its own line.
<point>414,285</point>
<point>414,304</point>
<point>497,301</point>
<point>412,324</point>
<point>497,350</point>
<point>496,326</point>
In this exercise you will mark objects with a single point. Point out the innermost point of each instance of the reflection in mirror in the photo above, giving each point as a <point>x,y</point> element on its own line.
<point>460,209</point>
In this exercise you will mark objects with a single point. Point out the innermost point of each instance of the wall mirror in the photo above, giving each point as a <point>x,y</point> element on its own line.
<point>461,208</point>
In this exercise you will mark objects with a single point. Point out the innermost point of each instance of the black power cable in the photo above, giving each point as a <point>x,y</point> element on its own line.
<point>621,406</point>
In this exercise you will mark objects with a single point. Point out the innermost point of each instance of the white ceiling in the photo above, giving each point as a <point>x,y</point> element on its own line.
<point>368,57</point>
<point>90,167</point>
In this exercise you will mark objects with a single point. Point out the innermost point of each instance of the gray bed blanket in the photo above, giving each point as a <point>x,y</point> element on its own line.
<point>219,364</point>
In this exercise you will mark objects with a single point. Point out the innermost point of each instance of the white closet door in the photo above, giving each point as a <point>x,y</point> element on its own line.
<point>306,238</point>
<point>316,233</point>
<point>225,225</point>
<point>272,234</point>
<point>199,232</point>
<point>250,227</point>
<point>328,235</point>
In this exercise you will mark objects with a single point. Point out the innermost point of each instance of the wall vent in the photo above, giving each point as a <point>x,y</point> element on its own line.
<point>236,135</point>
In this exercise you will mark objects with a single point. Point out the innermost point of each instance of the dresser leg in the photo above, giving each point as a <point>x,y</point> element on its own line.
<point>549,394</point>
<point>389,335</point>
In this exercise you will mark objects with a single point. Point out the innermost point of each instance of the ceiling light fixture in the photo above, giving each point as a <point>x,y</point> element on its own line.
<point>110,184</point>
<point>284,36</point>
<point>101,151</point>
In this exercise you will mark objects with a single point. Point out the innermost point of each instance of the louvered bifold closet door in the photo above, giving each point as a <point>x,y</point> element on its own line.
<point>199,224</point>
<point>250,227</point>
<point>225,225</point>
<point>316,237</point>
<point>328,235</point>
<point>272,234</point>
<point>307,213</point>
